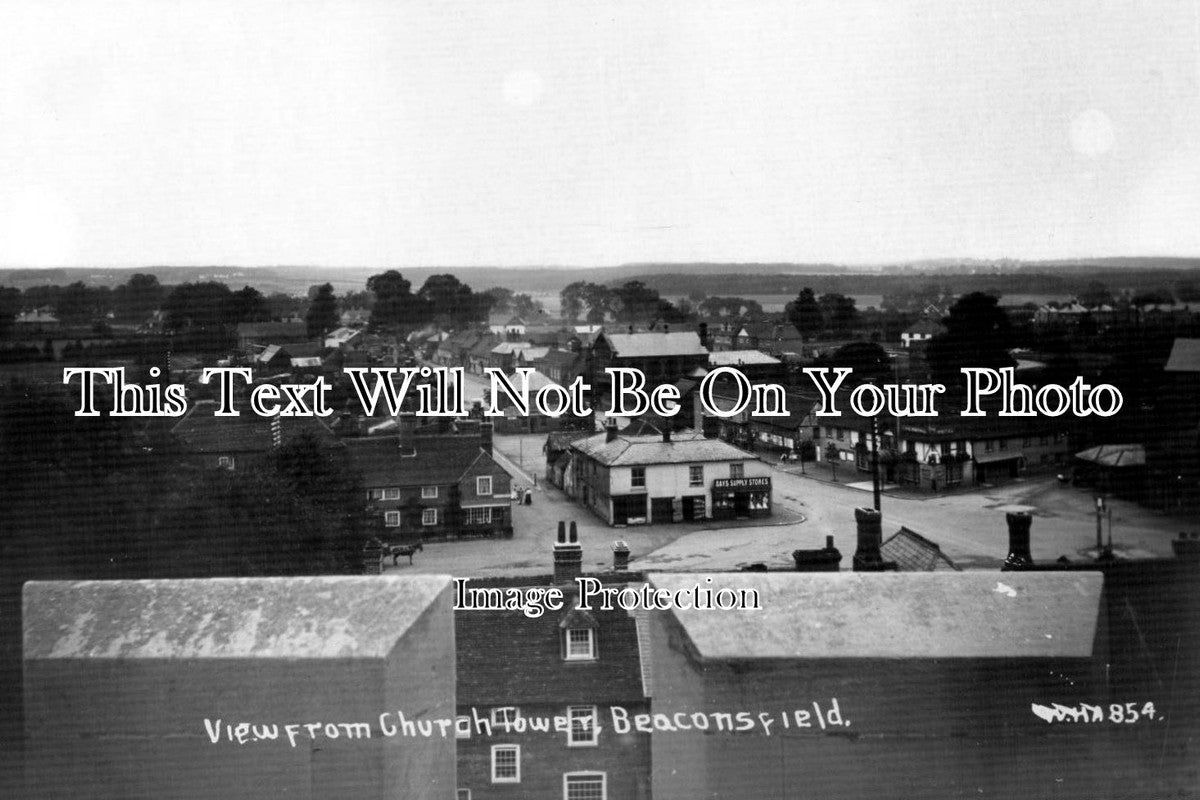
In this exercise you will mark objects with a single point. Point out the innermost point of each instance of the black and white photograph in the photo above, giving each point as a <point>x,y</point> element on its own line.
<point>600,400</point>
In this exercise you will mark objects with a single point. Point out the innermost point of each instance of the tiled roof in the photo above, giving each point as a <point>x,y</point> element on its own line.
<point>313,617</point>
<point>642,345</point>
<point>834,615</point>
<point>733,358</point>
<point>199,431</point>
<point>1185,356</point>
<point>912,552</point>
<point>441,459</point>
<point>505,658</point>
<point>683,448</point>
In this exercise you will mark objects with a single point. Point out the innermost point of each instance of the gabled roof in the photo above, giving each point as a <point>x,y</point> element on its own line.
<point>505,658</point>
<point>684,448</point>
<point>1185,356</point>
<point>837,615</point>
<point>653,343</point>
<point>440,459</point>
<point>199,431</point>
<point>311,617</point>
<point>912,552</point>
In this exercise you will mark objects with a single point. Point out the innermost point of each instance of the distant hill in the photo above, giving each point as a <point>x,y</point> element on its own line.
<point>720,278</point>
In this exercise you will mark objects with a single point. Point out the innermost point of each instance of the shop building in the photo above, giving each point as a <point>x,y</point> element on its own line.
<point>668,477</point>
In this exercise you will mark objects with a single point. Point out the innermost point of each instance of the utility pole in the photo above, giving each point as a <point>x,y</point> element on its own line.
<point>875,460</point>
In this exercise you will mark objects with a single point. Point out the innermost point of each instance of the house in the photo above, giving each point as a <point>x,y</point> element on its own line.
<point>235,443</point>
<point>669,477</point>
<point>434,486</point>
<point>758,367</point>
<point>343,338</point>
<point>536,695</point>
<point>878,684</point>
<point>662,356</point>
<point>255,336</point>
<point>559,458</point>
<point>39,320</point>
<point>921,331</point>
<point>562,366</point>
<point>912,552</point>
<point>506,326</point>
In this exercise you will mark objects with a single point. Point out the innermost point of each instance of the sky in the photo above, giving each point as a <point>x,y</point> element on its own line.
<point>410,133</point>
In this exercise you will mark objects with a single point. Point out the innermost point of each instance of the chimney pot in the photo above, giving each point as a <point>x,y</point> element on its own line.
<point>562,532</point>
<point>573,535</point>
<point>1019,555</point>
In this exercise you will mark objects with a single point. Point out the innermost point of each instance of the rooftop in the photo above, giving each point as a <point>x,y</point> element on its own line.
<point>312,617</point>
<point>733,358</point>
<point>684,448</point>
<point>654,343</point>
<point>897,615</point>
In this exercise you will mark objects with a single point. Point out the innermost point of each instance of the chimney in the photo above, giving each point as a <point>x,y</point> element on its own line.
<point>867,558</point>
<point>568,554</point>
<point>704,335</point>
<point>485,437</point>
<point>697,414</point>
<point>666,328</point>
<point>1019,556</point>
<point>631,329</point>
<point>610,430</point>
<point>667,433</point>
<point>620,556</point>
<point>407,423</point>
<point>827,559</point>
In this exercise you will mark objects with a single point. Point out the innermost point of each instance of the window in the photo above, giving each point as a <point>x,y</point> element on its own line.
<point>696,475</point>
<point>479,516</point>
<point>506,763</point>
<point>841,434</point>
<point>429,516</point>
<point>1004,444</point>
<point>584,731</point>
<point>581,644</point>
<point>987,446</point>
<point>225,462</point>
<point>737,470</point>
<point>392,519</point>
<point>384,494</point>
<point>584,786</point>
<point>505,716</point>
<point>483,485</point>
<point>429,492</point>
<point>637,477</point>
<point>462,794</point>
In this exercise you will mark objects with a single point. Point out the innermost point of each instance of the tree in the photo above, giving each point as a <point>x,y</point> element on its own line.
<point>447,296</point>
<point>499,300</point>
<point>571,299</point>
<point>199,306</point>
<point>840,311</point>
<point>322,315</point>
<point>138,297</point>
<point>977,335</point>
<point>10,306</point>
<point>1095,294</point>
<point>525,306</point>
<point>395,304</point>
<point>805,314</point>
<point>833,455</point>
<point>249,305</point>
<point>868,360</point>
<point>636,302</point>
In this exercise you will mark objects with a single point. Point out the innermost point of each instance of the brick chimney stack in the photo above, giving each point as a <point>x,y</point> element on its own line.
<point>568,554</point>
<point>610,430</point>
<point>407,425</point>
<point>868,558</point>
<point>485,437</point>
<point>1019,556</point>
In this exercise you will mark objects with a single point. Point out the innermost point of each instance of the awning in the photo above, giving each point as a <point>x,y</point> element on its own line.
<point>1115,455</point>
<point>992,458</point>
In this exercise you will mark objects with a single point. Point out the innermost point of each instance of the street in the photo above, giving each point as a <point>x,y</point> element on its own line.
<point>968,525</point>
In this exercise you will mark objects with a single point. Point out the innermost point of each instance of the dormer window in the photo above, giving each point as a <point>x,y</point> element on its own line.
<point>429,492</point>
<point>581,644</point>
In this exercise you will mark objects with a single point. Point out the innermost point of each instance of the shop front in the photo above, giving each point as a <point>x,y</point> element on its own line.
<point>741,498</point>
